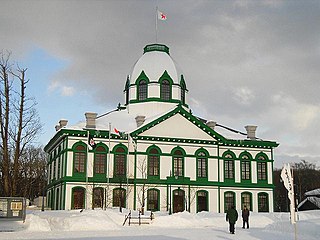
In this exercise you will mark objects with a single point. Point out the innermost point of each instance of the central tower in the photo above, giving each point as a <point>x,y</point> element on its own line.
<point>155,84</point>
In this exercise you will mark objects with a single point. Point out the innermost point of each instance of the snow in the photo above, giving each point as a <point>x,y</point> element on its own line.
<point>154,64</point>
<point>107,224</point>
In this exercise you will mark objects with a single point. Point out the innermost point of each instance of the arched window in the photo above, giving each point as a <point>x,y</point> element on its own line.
<point>98,197</point>
<point>120,162</point>
<point>78,194</point>
<point>228,166</point>
<point>153,200</point>
<point>79,161</point>
<point>245,166</point>
<point>263,202</point>
<point>153,162</point>
<point>202,164</point>
<point>178,163</point>
<point>165,90</point>
<point>229,200</point>
<point>100,157</point>
<point>142,90</point>
<point>119,197</point>
<point>246,200</point>
<point>126,89</point>
<point>183,93</point>
<point>261,167</point>
<point>202,201</point>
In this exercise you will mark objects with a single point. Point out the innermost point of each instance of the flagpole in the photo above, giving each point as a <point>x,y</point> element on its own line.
<point>108,165</point>
<point>87,170</point>
<point>156,24</point>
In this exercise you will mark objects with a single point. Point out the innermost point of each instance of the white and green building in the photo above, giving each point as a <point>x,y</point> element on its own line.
<point>167,160</point>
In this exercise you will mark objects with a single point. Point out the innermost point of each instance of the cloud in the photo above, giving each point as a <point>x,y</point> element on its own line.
<point>243,61</point>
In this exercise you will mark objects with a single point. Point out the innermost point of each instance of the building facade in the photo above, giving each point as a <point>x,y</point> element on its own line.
<point>152,153</point>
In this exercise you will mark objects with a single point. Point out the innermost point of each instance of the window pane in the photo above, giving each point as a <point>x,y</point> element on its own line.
<point>245,170</point>
<point>143,88</point>
<point>165,90</point>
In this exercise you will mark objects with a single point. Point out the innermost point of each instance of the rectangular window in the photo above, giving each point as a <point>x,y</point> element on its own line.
<point>202,167</point>
<point>262,170</point>
<point>177,166</point>
<point>120,165</point>
<point>99,163</point>
<point>79,160</point>
<point>228,169</point>
<point>245,170</point>
<point>153,165</point>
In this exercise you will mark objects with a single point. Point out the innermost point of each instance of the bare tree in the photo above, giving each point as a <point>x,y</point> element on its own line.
<point>19,121</point>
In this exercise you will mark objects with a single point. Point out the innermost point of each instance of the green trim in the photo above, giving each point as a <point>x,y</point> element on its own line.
<point>72,196</point>
<point>158,154</point>
<point>182,156</point>
<point>234,199</point>
<point>157,208</point>
<point>242,204</point>
<point>207,199</point>
<point>156,47</point>
<point>267,203</point>
<point>217,138</point>
<point>81,174</point>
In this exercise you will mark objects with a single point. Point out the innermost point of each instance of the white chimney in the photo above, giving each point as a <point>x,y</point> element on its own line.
<point>211,124</point>
<point>251,131</point>
<point>140,120</point>
<point>63,123</point>
<point>91,119</point>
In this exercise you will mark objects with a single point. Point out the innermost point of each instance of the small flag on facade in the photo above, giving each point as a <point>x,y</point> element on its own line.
<point>162,16</point>
<point>91,142</point>
<point>119,133</point>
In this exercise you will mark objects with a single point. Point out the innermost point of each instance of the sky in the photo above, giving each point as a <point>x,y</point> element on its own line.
<point>244,62</point>
<point>104,225</point>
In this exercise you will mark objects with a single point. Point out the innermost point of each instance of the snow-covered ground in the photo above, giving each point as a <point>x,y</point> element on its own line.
<point>100,224</point>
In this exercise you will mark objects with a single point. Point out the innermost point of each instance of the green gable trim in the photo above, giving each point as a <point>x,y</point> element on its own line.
<point>220,140</point>
<point>141,77</point>
<point>156,47</point>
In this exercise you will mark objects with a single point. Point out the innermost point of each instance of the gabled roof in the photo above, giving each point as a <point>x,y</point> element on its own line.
<point>216,137</point>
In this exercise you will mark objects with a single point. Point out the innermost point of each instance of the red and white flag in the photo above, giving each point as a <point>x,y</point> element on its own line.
<point>162,16</point>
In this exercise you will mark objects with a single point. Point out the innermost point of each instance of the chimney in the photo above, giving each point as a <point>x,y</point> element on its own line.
<point>251,131</point>
<point>211,124</point>
<point>91,119</point>
<point>57,127</point>
<point>63,123</point>
<point>140,120</point>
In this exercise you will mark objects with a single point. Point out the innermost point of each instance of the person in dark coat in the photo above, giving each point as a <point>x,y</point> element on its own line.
<point>245,216</point>
<point>232,217</point>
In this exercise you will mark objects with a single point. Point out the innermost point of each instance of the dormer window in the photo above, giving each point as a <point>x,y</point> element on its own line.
<point>165,90</point>
<point>142,90</point>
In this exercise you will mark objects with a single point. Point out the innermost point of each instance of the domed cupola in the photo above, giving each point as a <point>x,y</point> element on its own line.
<point>155,85</point>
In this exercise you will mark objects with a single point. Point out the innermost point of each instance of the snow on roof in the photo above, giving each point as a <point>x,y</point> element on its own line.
<point>154,64</point>
<point>313,192</point>
<point>314,200</point>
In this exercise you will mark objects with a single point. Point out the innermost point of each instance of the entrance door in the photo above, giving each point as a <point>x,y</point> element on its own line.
<point>178,201</point>
<point>78,198</point>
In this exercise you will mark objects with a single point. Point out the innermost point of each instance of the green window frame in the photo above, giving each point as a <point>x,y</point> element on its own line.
<point>79,159</point>
<point>263,202</point>
<point>119,197</point>
<point>98,197</point>
<point>229,166</point>
<point>202,164</point>
<point>178,163</point>
<point>153,162</point>
<point>100,159</point>
<point>153,200</point>
<point>246,200</point>
<point>202,201</point>
<point>120,161</point>
<point>229,200</point>
<point>142,89</point>
<point>262,167</point>
<point>165,90</point>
